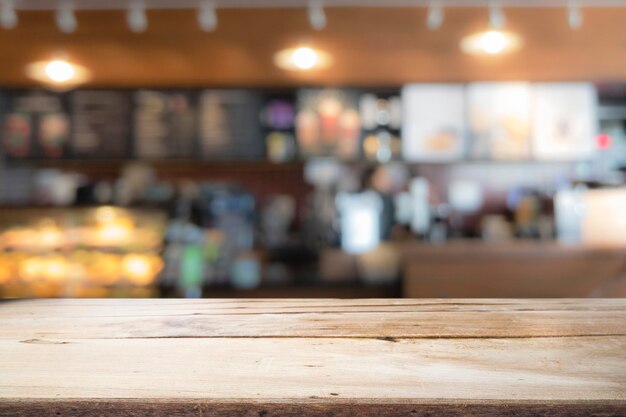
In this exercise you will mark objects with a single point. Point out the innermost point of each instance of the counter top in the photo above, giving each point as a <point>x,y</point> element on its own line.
<point>264,357</point>
<point>526,269</point>
<point>511,248</point>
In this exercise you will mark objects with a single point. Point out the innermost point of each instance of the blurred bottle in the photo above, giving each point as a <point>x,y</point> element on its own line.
<point>360,216</point>
<point>421,216</point>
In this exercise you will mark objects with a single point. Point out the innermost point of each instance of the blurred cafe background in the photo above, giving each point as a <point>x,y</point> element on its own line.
<point>323,148</point>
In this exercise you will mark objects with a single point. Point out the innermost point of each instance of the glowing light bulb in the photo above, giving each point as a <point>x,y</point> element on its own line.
<point>304,58</point>
<point>59,71</point>
<point>493,42</point>
<point>57,74</point>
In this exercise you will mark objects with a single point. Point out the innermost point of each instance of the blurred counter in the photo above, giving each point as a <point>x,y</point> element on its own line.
<point>513,269</point>
<point>117,252</point>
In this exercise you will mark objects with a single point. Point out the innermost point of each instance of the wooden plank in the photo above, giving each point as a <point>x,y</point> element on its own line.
<point>123,357</point>
<point>89,319</point>
<point>557,369</point>
<point>314,408</point>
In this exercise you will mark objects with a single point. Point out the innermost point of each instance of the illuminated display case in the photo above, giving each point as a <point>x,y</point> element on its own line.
<point>80,252</point>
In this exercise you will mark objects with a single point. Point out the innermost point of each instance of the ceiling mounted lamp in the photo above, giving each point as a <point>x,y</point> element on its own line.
<point>58,74</point>
<point>8,16</point>
<point>207,15</point>
<point>493,41</point>
<point>497,19</point>
<point>136,16</point>
<point>435,16</point>
<point>317,15</point>
<point>574,15</point>
<point>302,58</point>
<point>65,18</point>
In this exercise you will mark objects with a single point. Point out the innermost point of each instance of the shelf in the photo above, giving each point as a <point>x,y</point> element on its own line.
<point>82,164</point>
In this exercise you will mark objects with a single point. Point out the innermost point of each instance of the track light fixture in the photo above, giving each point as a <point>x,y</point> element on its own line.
<point>493,41</point>
<point>317,15</point>
<point>8,16</point>
<point>65,18</point>
<point>435,16</point>
<point>497,20</point>
<point>574,15</point>
<point>136,16</point>
<point>207,15</point>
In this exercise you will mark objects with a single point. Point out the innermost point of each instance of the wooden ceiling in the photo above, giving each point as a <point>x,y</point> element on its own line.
<point>370,46</point>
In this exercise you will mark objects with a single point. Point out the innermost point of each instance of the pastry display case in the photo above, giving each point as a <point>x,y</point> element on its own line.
<point>80,252</point>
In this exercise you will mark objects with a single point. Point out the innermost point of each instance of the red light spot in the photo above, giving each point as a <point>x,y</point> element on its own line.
<point>604,141</point>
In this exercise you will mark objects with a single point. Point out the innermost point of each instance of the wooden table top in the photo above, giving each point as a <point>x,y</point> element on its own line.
<point>262,357</point>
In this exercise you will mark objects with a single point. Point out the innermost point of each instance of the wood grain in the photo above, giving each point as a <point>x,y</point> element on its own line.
<point>102,319</point>
<point>313,357</point>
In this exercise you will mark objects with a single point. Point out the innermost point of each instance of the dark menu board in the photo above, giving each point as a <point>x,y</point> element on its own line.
<point>35,124</point>
<point>101,121</point>
<point>164,124</point>
<point>277,120</point>
<point>229,125</point>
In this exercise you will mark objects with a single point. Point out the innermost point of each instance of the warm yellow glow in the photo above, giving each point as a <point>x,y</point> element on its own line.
<point>141,269</point>
<point>50,236</point>
<point>302,58</point>
<point>5,272</point>
<point>30,269</point>
<point>55,269</point>
<point>491,42</point>
<point>115,232</point>
<point>105,214</point>
<point>57,73</point>
<point>136,266</point>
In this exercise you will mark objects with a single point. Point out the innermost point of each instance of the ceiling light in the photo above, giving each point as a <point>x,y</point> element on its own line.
<point>491,42</point>
<point>8,17</point>
<point>65,18</point>
<point>574,15</point>
<point>317,16</point>
<point>302,58</point>
<point>136,16</point>
<point>496,15</point>
<point>58,73</point>
<point>435,17</point>
<point>207,16</point>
